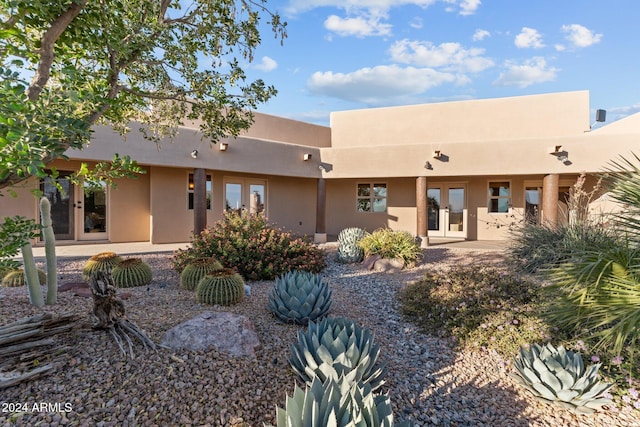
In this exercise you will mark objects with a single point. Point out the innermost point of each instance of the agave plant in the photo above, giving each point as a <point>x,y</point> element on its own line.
<point>555,375</point>
<point>334,348</point>
<point>299,297</point>
<point>348,249</point>
<point>335,403</point>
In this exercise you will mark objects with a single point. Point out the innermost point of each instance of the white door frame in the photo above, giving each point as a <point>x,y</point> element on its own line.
<point>446,227</point>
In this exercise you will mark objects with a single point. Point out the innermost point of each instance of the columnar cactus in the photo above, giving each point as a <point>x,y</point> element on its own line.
<point>348,249</point>
<point>49,250</point>
<point>554,375</point>
<point>299,296</point>
<point>102,261</point>
<point>16,278</point>
<point>31,276</point>
<point>335,347</point>
<point>131,272</point>
<point>223,287</point>
<point>196,270</point>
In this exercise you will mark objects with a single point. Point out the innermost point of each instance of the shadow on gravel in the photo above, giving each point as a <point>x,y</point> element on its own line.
<point>469,401</point>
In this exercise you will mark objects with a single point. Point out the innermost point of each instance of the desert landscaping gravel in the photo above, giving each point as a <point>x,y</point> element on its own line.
<point>428,381</point>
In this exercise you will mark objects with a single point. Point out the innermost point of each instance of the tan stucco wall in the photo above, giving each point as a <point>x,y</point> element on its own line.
<point>535,116</point>
<point>129,208</point>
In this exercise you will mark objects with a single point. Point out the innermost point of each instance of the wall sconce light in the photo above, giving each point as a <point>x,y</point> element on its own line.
<point>307,157</point>
<point>428,165</point>
<point>437,154</point>
<point>223,146</point>
<point>555,149</point>
<point>601,115</point>
<point>322,168</point>
<point>194,154</point>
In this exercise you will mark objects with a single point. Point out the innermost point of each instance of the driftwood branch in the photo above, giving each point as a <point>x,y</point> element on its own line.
<point>27,342</point>
<point>109,313</point>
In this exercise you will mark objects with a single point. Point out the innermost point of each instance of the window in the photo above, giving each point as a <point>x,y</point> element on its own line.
<point>190,192</point>
<point>499,197</point>
<point>372,198</point>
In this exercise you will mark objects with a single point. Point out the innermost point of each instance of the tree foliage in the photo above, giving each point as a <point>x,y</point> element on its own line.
<point>66,65</point>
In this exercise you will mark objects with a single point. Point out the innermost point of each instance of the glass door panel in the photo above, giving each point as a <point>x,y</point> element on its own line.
<point>256,198</point>
<point>433,210</point>
<point>233,196</point>
<point>61,197</point>
<point>455,217</point>
<point>94,213</point>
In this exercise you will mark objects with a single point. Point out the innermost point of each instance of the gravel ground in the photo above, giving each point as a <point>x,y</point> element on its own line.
<point>427,381</point>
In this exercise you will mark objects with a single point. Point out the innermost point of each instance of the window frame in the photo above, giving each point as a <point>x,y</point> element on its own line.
<point>498,198</point>
<point>371,197</point>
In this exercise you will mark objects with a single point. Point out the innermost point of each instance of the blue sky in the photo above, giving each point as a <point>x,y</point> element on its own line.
<point>353,54</point>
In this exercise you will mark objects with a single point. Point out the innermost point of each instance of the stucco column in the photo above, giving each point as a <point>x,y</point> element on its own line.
<point>550,188</point>
<point>421,211</point>
<point>321,212</point>
<point>199,200</point>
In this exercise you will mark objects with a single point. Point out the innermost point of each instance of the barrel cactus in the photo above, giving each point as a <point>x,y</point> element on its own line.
<point>16,278</point>
<point>555,375</point>
<point>103,261</point>
<point>348,249</point>
<point>131,272</point>
<point>299,296</point>
<point>334,347</point>
<point>336,403</point>
<point>223,287</point>
<point>196,270</point>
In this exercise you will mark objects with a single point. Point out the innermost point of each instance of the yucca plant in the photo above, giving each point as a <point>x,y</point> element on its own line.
<point>131,273</point>
<point>223,287</point>
<point>196,270</point>
<point>299,297</point>
<point>348,249</point>
<point>337,347</point>
<point>555,375</point>
<point>103,261</point>
<point>16,278</point>
<point>336,403</point>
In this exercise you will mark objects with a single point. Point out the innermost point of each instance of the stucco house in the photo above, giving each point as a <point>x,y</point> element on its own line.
<point>445,170</point>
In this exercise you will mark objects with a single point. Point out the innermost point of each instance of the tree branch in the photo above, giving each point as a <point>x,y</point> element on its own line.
<point>47,44</point>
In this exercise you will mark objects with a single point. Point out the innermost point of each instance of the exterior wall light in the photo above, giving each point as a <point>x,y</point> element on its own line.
<point>437,154</point>
<point>224,146</point>
<point>555,149</point>
<point>194,154</point>
<point>307,157</point>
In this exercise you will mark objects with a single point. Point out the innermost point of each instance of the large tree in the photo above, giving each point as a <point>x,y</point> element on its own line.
<point>66,65</point>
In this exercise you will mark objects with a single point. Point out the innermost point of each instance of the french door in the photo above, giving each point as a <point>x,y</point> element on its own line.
<point>77,212</point>
<point>245,195</point>
<point>447,211</point>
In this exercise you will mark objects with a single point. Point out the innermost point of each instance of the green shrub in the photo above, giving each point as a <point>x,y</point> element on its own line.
<point>469,302</point>
<point>256,250</point>
<point>534,247</point>
<point>391,244</point>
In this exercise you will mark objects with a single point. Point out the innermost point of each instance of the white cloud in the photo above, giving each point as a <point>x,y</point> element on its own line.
<point>469,7</point>
<point>299,6</point>
<point>358,26</point>
<point>532,71</point>
<point>377,85</point>
<point>529,38</point>
<point>266,64</point>
<point>560,47</point>
<point>617,113</point>
<point>416,23</point>
<point>449,56</point>
<point>480,34</point>
<point>580,36</point>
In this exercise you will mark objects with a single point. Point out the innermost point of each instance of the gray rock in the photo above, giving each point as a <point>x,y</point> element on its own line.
<point>227,332</point>
<point>387,265</point>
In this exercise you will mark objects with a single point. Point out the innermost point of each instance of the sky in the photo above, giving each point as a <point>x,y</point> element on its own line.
<point>354,54</point>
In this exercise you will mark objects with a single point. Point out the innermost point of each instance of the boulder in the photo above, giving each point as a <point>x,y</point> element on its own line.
<point>388,265</point>
<point>226,332</point>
